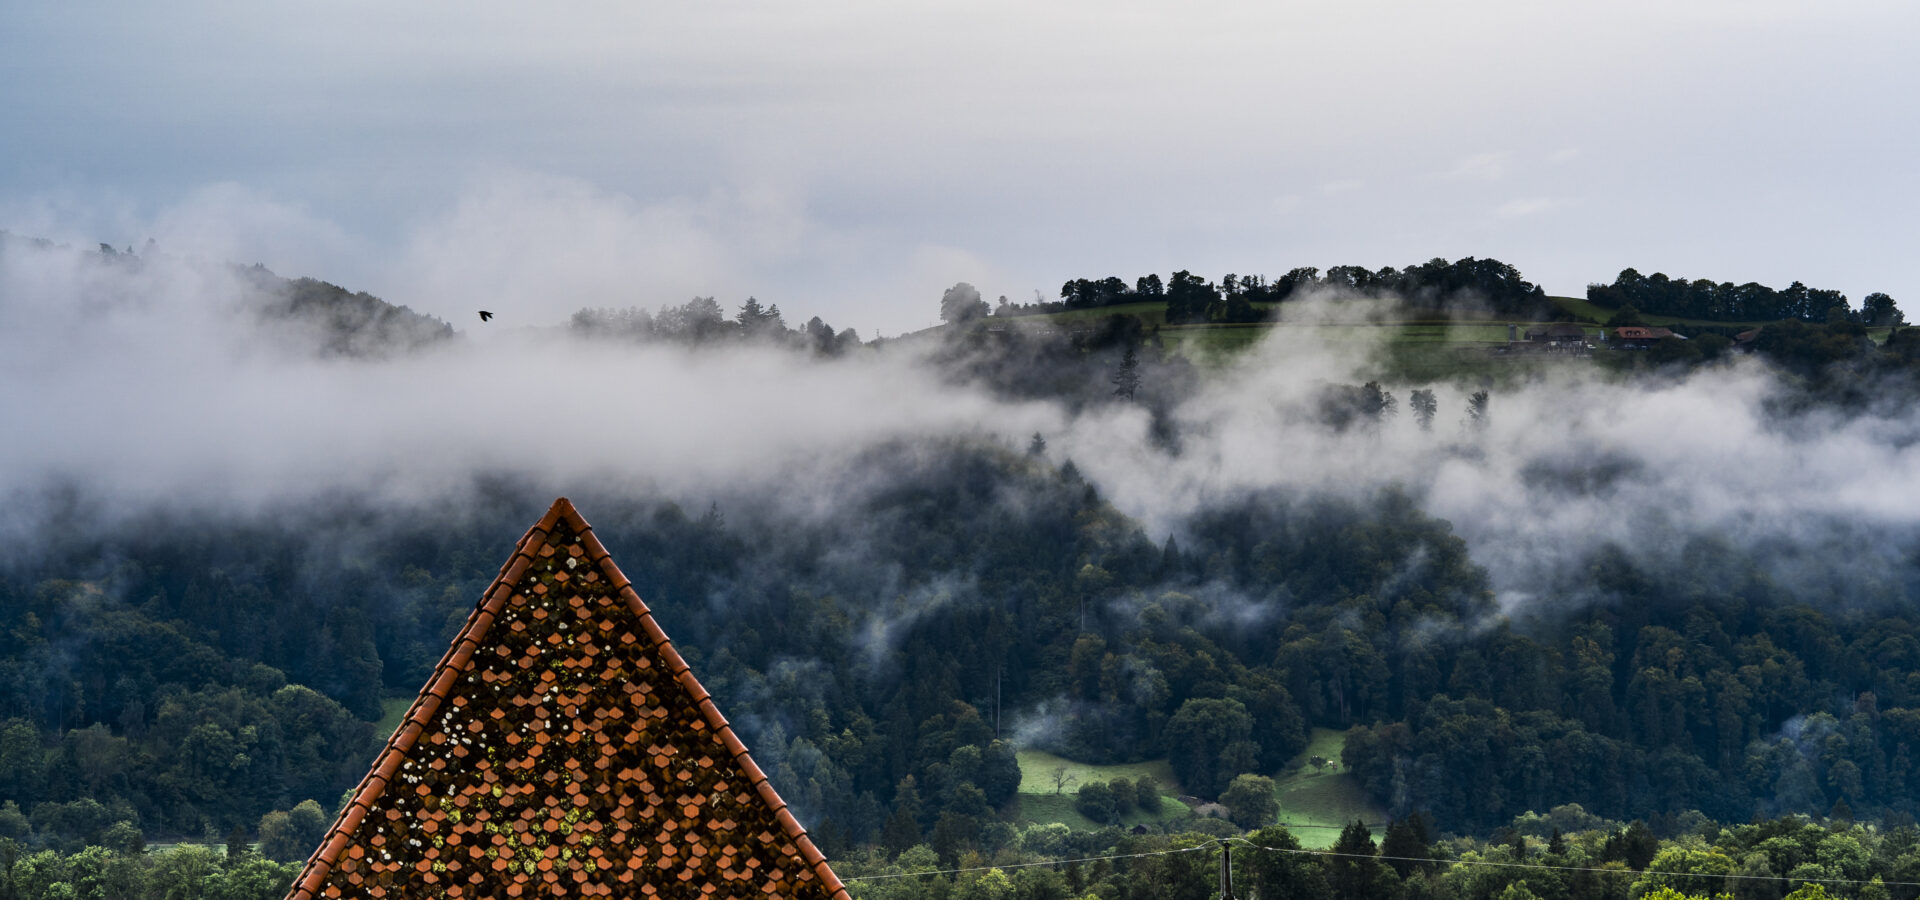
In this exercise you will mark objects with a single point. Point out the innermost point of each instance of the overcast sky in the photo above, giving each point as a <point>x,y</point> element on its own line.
<point>852,159</point>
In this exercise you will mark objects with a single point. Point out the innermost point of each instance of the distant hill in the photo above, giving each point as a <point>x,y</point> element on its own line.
<point>327,318</point>
<point>345,324</point>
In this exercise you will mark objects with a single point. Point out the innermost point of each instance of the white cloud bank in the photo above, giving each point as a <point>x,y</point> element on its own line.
<point>144,386</point>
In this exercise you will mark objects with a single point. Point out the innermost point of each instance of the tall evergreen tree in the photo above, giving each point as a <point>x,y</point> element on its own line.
<point>1405,842</point>
<point>1352,870</point>
<point>1424,408</point>
<point>1126,378</point>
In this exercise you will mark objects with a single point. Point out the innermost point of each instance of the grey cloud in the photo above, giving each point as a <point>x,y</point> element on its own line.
<point>1043,143</point>
<point>147,387</point>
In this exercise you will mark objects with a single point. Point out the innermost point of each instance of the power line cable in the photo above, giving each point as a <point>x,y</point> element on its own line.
<point>1028,865</point>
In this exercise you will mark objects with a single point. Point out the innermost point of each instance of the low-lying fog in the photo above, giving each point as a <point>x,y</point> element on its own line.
<point>137,386</point>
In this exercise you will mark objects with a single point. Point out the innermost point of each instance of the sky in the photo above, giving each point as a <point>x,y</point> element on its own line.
<point>853,159</point>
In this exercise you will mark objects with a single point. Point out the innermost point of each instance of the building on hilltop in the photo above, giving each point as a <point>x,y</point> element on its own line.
<point>1640,337</point>
<point>562,747</point>
<point>1559,337</point>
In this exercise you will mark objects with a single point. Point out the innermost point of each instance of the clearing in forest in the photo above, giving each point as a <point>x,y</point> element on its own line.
<point>1040,804</point>
<point>1316,802</point>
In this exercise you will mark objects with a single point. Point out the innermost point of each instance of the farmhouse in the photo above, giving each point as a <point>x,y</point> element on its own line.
<point>1640,337</point>
<point>1559,337</point>
<point>562,747</point>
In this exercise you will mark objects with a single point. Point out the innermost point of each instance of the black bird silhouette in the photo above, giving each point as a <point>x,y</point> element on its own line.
<point>486,316</point>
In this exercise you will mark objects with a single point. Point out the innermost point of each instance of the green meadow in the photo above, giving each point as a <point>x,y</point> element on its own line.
<point>1315,803</point>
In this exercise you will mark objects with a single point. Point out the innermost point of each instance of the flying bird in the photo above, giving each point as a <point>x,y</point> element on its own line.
<point>486,316</point>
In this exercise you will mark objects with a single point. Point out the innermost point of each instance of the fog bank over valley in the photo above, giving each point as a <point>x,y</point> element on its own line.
<point>154,382</point>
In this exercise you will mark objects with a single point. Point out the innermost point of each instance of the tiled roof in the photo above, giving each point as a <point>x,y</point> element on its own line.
<point>1641,333</point>
<point>562,747</point>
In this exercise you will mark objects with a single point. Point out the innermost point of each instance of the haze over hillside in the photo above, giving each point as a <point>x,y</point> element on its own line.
<point>1125,452</point>
<point>1570,459</point>
<point>1245,501</point>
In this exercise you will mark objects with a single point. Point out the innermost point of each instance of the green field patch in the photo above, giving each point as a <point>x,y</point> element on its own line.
<point>1151,313</point>
<point>1212,345</point>
<point>1040,805</point>
<point>1325,743</point>
<point>1408,325</point>
<point>1037,768</point>
<point>1412,351</point>
<point>392,711</point>
<point>1580,308</point>
<point>1315,803</point>
<point>1044,809</point>
<point>1417,347</point>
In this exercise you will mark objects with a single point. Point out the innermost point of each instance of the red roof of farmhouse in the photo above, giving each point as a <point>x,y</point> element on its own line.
<point>562,747</point>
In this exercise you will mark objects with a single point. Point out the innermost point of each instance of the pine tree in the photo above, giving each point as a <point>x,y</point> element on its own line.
<point>237,845</point>
<point>1405,841</point>
<point>1126,379</point>
<point>903,827</point>
<point>1477,409</point>
<point>1352,869</point>
<point>1171,562</point>
<point>1424,407</point>
<point>1377,405</point>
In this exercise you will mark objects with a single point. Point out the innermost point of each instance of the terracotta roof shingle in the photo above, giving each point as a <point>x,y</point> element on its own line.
<point>563,747</point>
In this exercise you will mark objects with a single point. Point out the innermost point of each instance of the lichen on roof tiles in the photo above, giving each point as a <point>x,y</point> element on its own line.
<point>563,747</point>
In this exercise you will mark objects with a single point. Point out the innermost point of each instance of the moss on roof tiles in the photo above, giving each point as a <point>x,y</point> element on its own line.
<point>562,747</point>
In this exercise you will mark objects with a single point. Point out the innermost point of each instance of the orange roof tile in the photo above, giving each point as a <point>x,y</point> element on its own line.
<point>569,751</point>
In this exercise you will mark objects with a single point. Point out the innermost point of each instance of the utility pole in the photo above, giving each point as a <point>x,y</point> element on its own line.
<point>1226,871</point>
<point>997,673</point>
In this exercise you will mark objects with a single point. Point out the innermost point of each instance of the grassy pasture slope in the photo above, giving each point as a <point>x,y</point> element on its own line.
<point>1038,802</point>
<point>1209,345</point>
<point>1315,804</point>
<point>392,711</point>
<point>1424,347</point>
<point>1418,326</point>
<point>1048,807</point>
<point>1036,772</point>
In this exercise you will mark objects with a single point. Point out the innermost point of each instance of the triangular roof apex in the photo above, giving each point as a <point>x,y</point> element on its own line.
<point>562,510</point>
<point>562,669</point>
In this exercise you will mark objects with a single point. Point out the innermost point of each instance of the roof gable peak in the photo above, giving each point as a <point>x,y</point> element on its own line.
<point>562,746</point>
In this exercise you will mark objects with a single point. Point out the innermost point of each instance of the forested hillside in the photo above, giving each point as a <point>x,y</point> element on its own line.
<point>196,675</point>
<point>1534,606</point>
<point>1432,287</point>
<point>1750,302</point>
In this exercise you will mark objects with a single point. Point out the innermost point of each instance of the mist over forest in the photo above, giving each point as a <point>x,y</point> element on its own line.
<point>244,512</point>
